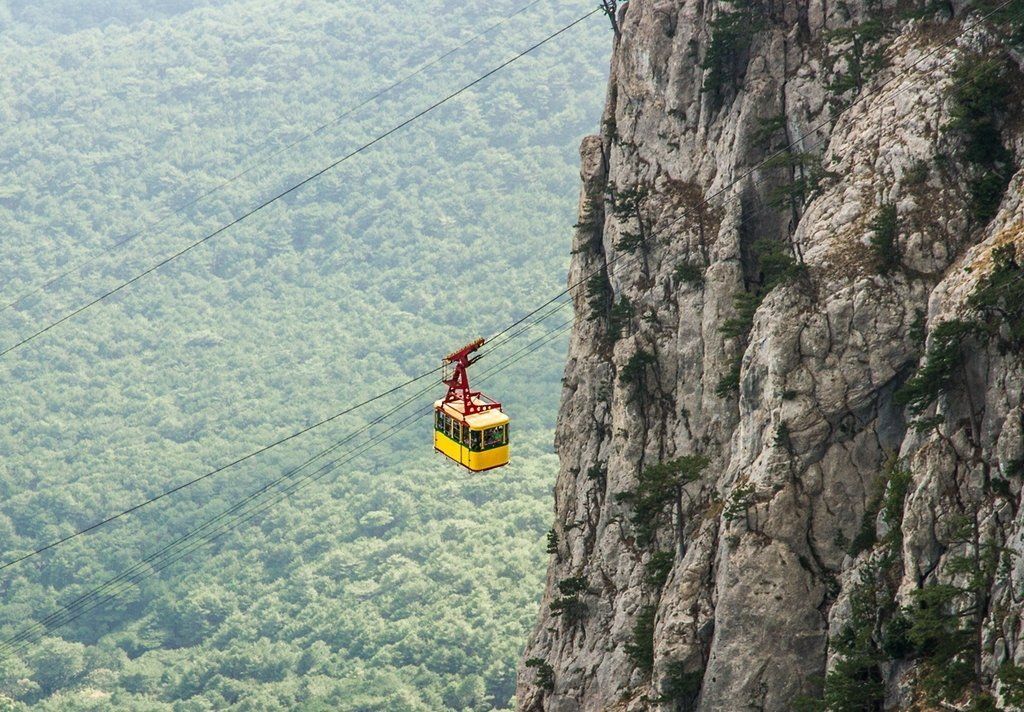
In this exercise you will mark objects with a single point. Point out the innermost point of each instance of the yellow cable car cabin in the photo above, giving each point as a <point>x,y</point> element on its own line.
<point>479,440</point>
<point>469,427</point>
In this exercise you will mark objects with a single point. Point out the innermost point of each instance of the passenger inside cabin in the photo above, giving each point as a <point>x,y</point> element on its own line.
<point>493,437</point>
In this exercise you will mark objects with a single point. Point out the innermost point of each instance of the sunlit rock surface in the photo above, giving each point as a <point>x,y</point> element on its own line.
<point>819,478</point>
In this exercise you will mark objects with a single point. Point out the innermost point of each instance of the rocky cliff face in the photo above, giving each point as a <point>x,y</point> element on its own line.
<point>792,432</point>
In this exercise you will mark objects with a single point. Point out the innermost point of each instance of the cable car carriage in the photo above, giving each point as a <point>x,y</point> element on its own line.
<point>469,427</point>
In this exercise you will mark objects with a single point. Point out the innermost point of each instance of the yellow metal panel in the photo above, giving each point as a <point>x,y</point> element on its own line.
<point>486,459</point>
<point>447,446</point>
<point>474,460</point>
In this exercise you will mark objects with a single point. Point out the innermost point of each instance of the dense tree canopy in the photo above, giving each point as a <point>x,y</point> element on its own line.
<point>135,129</point>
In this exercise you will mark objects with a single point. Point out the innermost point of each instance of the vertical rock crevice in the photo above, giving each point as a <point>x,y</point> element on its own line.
<point>792,424</point>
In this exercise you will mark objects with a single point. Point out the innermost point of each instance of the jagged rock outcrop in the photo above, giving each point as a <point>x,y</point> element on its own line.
<point>792,431</point>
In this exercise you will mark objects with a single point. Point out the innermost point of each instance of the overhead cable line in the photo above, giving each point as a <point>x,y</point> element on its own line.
<point>494,342</point>
<point>222,468</point>
<point>625,257</point>
<point>300,184</point>
<point>277,490</point>
<point>528,349</point>
<point>287,147</point>
<point>182,546</point>
<point>511,360</point>
<point>732,183</point>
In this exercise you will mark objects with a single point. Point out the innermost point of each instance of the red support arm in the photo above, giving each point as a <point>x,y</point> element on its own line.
<point>458,384</point>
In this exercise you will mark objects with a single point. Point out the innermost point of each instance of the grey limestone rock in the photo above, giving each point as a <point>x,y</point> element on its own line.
<point>752,149</point>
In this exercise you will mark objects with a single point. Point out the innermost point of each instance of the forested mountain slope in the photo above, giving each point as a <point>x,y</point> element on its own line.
<point>792,429</point>
<point>395,582</point>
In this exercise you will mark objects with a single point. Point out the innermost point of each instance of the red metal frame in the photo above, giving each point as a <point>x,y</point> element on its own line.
<point>458,383</point>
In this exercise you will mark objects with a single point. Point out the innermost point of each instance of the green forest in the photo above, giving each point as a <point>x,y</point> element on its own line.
<point>349,567</point>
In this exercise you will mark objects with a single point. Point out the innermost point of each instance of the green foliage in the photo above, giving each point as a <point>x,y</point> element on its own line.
<point>999,299</point>
<point>862,55</point>
<point>741,500</point>
<point>633,371</point>
<point>776,265</point>
<point>569,605</point>
<point>1011,683</point>
<point>545,673</point>
<point>1014,468</point>
<point>855,683</point>
<point>978,99</point>
<point>805,175</point>
<point>894,502</point>
<point>732,32</point>
<point>998,303</point>
<point>570,609</point>
<point>918,331</point>
<point>884,231</point>
<point>888,495</point>
<point>729,384</point>
<point>681,687</point>
<point>56,664</point>
<point>371,588</point>
<point>942,641</point>
<point>599,295</point>
<point>781,438</point>
<point>572,586</point>
<point>619,318</point>
<point>689,273</point>
<point>739,326</point>
<point>867,535</point>
<point>629,241</point>
<point>658,567</point>
<point>641,649</point>
<point>917,174</point>
<point>658,486</point>
<point>923,425</point>
<point>768,129</point>
<point>896,643</point>
<point>978,96</point>
<point>1005,17</point>
<point>987,192</point>
<point>945,622</point>
<point>552,545</point>
<point>941,361</point>
<point>627,205</point>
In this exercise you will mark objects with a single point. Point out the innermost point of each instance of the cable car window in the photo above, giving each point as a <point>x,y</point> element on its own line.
<point>494,437</point>
<point>439,420</point>
<point>474,439</point>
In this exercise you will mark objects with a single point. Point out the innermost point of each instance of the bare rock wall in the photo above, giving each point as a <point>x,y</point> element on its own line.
<point>732,303</point>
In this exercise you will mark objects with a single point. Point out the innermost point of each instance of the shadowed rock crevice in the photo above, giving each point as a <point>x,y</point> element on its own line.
<point>808,229</point>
